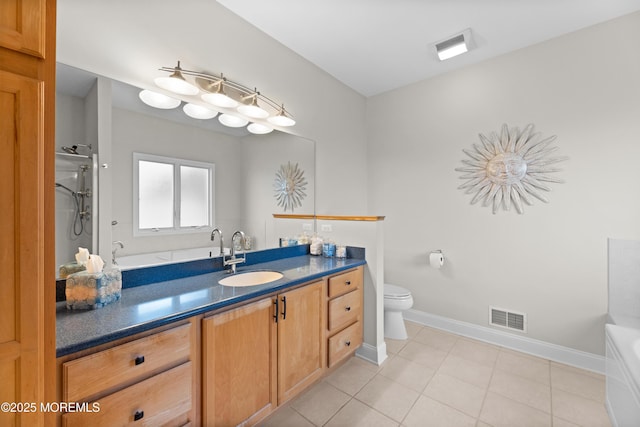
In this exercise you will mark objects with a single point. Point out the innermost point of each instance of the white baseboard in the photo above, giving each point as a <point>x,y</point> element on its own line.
<point>545,350</point>
<point>373,354</point>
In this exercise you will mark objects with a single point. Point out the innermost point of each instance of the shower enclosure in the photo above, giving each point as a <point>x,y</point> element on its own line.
<point>76,179</point>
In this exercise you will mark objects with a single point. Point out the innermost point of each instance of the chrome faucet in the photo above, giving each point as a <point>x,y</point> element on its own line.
<point>233,261</point>
<point>115,249</point>
<point>213,235</point>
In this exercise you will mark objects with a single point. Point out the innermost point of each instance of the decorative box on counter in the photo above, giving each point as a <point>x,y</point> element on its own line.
<point>93,290</point>
<point>66,270</point>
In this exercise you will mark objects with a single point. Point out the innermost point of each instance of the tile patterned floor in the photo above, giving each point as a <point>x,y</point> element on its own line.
<point>439,379</point>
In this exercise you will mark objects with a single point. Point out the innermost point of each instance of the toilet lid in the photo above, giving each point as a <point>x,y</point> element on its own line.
<point>393,291</point>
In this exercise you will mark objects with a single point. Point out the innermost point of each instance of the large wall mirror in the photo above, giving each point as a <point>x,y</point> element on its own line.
<point>101,123</point>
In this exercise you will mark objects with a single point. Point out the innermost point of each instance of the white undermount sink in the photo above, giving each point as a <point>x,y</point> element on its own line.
<point>251,278</point>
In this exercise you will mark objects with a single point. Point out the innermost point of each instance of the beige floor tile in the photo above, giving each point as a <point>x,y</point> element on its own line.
<point>423,354</point>
<point>351,377</point>
<point>428,412</point>
<point>408,373</point>
<point>481,424</point>
<point>577,381</point>
<point>476,351</point>
<point>413,328</point>
<point>435,338</point>
<point>577,370</point>
<point>498,411</point>
<point>357,361</point>
<point>388,397</point>
<point>559,422</point>
<point>534,394</point>
<point>467,370</point>
<point>529,367</point>
<point>394,346</point>
<point>580,410</point>
<point>286,417</point>
<point>320,403</point>
<point>357,414</point>
<point>458,394</point>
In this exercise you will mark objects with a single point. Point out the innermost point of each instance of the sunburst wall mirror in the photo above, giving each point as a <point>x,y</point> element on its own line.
<point>290,185</point>
<point>510,168</point>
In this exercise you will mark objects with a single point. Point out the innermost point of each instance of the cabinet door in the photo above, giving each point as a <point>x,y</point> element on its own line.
<point>239,362</point>
<point>22,324</point>
<point>300,339</point>
<point>22,26</point>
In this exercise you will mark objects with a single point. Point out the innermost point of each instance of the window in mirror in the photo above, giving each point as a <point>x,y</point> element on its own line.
<point>172,195</point>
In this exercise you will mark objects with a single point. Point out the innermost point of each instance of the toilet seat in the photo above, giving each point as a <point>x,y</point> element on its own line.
<point>396,292</point>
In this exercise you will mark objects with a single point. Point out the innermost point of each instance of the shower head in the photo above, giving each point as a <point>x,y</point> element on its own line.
<point>70,150</point>
<point>74,148</point>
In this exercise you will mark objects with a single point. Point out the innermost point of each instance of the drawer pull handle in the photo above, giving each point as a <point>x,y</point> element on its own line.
<point>139,360</point>
<point>347,308</point>
<point>348,343</point>
<point>348,282</point>
<point>138,415</point>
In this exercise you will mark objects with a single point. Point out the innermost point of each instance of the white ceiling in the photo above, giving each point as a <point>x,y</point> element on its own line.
<point>374,46</point>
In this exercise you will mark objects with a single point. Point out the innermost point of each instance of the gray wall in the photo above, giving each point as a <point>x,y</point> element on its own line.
<point>551,262</point>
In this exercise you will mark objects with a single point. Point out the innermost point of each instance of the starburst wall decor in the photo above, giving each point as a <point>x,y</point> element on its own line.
<point>289,186</point>
<point>510,168</point>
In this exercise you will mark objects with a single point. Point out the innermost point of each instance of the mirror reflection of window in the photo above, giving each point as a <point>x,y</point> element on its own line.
<point>194,192</point>
<point>155,198</point>
<point>172,195</point>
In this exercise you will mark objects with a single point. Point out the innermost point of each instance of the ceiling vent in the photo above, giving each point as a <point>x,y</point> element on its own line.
<point>507,319</point>
<point>454,45</point>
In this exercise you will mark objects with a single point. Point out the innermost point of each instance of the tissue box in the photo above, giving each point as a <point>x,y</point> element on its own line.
<point>93,290</point>
<point>70,268</point>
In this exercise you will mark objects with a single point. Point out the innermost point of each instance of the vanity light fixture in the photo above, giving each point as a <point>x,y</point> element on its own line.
<point>281,119</point>
<point>259,129</point>
<point>176,83</point>
<point>252,109</point>
<point>232,121</point>
<point>218,97</point>
<point>158,100</point>
<point>196,111</point>
<point>454,46</point>
<point>221,93</point>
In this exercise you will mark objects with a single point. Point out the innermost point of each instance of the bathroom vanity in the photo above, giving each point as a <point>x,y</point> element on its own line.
<point>190,351</point>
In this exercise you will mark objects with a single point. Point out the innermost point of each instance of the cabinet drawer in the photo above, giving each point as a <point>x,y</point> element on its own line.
<point>90,375</point>
<point>345,282</point>
<point>162,400</point>
<point>344,343</point>
<point>345,310</point>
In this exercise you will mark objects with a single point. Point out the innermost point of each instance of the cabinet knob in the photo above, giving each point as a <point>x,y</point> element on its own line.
<point>139,360</point>
<point>347,308</point>
<point>348,343</point>
<point>348,282</point>
<point>138,415</point>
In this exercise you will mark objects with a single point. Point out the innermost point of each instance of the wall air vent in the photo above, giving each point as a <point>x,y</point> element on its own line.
<point>508,319</point>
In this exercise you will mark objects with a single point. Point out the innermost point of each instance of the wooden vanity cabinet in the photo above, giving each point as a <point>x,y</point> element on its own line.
<point>259,355</point>
<point>150,380</point>
<point>301,344</point>
<point>345,308</point>
<point>239,352</point>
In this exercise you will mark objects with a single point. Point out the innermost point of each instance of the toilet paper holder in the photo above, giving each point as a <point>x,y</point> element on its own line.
<point>436,258</point>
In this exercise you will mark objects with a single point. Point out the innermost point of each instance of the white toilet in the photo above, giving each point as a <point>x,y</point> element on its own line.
<point>396,300</point>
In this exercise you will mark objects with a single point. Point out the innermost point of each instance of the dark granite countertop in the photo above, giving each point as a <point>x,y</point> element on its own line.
<point>146,307</point>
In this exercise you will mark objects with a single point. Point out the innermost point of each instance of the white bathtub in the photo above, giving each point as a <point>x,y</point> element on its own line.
<point>623,375</point>
<point>166,257</point>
